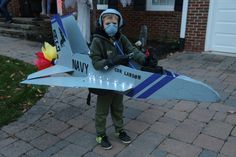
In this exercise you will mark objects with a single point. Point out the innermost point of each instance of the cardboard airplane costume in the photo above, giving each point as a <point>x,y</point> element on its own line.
<point>74,61</point>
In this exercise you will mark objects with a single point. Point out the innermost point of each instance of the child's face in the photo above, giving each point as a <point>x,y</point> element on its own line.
<point>110,19</point>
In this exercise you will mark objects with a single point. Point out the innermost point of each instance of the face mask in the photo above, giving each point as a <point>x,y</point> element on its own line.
<point>111,29</point>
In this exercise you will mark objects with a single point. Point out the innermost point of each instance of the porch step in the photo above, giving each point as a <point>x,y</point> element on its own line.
<point>25,28</point>
<point>24,20</point>
<point>19,26</point>
<point>25,34</point>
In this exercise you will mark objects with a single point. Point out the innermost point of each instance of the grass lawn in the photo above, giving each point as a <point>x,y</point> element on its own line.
<point>16,98</point>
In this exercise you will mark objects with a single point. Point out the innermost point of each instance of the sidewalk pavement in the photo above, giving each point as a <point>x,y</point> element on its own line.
<point>62,125</point>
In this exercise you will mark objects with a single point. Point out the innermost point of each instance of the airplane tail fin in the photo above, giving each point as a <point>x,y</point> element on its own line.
<point>67,38</point>
<point>69,44</point>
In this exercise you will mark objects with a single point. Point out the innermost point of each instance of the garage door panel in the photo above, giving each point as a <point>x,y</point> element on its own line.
<point>225,28</point>
<point>222,49</point>
<point>226,16</point>
<point>226,4</point>
<point>229,40</point>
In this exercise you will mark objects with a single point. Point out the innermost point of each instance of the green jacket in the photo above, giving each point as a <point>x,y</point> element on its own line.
<point>102,47</point>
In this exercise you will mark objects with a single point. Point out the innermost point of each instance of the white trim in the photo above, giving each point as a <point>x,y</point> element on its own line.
<point>102,6</point>
<point>209,31</point>
<point>184,19</point>
<point>150,7</point>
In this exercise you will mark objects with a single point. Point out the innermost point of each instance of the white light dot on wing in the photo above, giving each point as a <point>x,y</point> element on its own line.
<point>130,85</point>
<point>123,85</point>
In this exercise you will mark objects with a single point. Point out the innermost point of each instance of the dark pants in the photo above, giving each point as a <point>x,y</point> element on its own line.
<point>4,10</point>
<point>112,102</point>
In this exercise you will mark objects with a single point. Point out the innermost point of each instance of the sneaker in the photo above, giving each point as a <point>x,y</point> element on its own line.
<point>124,137</point>
<point>103,141</point>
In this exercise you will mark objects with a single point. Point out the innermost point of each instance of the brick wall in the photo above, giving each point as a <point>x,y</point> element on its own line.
<point>14,7</point>
<point>162,26</point>
<point>196,25</point>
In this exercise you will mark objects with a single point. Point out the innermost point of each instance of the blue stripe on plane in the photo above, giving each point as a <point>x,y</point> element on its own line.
<point>176,75</point>
<point>156,87</point>
<point>171,73</point>
<point>53,21</point>
<point>143,84</point>
<point>58,19</point>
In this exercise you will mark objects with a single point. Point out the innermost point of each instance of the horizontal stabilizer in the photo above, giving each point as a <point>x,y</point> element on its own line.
<point>57,69</point>
<point>80,82</point>
<point>181,88</point>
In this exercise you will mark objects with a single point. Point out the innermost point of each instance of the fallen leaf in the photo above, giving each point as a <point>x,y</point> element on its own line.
<point>12,135</point>
<point>4,97</point>
<point>12,75</point>
<point>39,91</point>
<point>24,110</point>
<point>21,73</point>
<point>17,89</point>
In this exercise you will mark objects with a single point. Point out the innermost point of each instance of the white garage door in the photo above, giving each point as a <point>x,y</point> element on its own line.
<point>221,27</point>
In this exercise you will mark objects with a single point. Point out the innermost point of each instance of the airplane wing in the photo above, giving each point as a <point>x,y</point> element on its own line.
<point>179,87</point>
<point>80,82</point>
<point>56,69</point>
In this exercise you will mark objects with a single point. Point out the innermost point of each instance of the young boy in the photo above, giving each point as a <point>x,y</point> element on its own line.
<point>109,48</point>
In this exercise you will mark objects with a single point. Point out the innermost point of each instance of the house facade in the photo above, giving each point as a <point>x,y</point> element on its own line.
<point>198,25</point>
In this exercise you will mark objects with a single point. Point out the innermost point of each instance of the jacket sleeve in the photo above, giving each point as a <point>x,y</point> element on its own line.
<point>139,57</point>
<point>96,49</point>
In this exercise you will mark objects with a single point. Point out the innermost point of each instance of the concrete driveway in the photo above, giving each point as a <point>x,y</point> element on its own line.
<point>62,125</point>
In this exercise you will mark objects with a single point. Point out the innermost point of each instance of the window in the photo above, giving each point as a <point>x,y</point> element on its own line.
<point>160,5</point>
<point>102,4</point>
